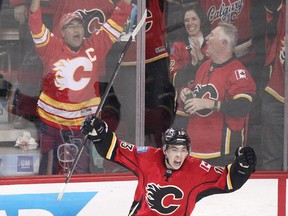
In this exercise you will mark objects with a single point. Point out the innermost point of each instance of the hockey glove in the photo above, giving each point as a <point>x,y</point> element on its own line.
<point>94,128</point>
<point>246,158</point>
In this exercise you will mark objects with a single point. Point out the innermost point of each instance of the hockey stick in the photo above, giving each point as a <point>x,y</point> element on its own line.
<point>132,37</point>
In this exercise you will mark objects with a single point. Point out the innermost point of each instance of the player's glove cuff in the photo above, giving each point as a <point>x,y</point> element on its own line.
<point>245,159</point>
<point>95,129</point>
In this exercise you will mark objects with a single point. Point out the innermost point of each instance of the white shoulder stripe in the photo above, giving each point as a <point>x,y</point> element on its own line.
<point>112,30</point>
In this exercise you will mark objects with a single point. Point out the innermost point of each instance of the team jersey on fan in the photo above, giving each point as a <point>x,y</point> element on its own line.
<point>174,194</point>
<point>70,83</point>
<point>236,12</point>
<point>180,57</point>
<point>156,47</point>
<point>94,13</point>
<point>210,131</point>
<point>275,57</point>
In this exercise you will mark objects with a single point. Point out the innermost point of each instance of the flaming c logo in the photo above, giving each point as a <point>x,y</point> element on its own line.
<point>206,91</point>
<point>93,20</point>
<point>65,71</point>
<point>156,196</point>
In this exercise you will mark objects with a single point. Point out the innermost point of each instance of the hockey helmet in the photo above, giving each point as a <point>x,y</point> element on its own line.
<point>174,136</point>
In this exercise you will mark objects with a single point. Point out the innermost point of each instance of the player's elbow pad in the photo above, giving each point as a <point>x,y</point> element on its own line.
<point>237,107</point>
<point>238,176</point>
<point>103,146</point>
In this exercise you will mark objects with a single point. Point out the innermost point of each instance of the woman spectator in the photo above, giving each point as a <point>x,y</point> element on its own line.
<point>187,53</point>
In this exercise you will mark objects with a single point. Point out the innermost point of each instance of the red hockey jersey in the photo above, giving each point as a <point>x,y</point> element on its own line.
<point>275,58</point>
<point>94,13</point>
<point>156,47</point>
<point>70,88</point>
<point>176,195</point>
<point>180,57</point>
<point>236,12</point>
<point>209,130</point>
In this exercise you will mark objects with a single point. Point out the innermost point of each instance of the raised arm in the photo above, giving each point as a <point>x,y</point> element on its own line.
<point>243,166</point>
<point>237,173</point>
<point>20,13</point>
<point>35,5</point>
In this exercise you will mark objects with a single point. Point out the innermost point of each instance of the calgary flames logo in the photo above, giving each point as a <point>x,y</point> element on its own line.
<point>156,196</point>
<point>205,91</point>
<point>64,77</point>
<point>149,21</point>
<point>93,20</point>
<point>227,13</point>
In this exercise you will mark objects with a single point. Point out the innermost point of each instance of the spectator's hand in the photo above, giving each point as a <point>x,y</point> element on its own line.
<point>194,57</point>
<point>21,14</point>
<point>246,158</point>
<point>196,52</point>
<point>94,128</point>
<point>195,104</point>
<point>183,94</point>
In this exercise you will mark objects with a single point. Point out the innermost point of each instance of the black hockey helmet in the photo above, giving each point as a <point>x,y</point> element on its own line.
<point>174,136</point>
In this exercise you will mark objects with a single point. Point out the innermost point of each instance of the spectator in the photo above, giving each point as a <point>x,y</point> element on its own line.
<point>246,17</point>
<point>31,68</point>
<point>221,99</point>
<point>159,92</point>
<point>273,98</point>
<point>187,53</point>
<point>70,88</point>
<point>236,12</point>
<point>94,13</point>
<point>168,175</point>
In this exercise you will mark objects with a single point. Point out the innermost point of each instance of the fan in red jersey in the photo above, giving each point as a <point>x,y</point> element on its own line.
<point>187,54</point>
<point>273,98</point>
<point>71,88</point>
<point>159,92</point>
<point>223,92</point>
<point>94,14</point>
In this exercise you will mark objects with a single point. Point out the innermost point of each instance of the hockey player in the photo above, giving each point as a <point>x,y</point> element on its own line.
<point>170,182</point>
<point>70,88</point>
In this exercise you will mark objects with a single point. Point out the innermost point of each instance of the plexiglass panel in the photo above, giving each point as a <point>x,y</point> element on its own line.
<point>50,84</point>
